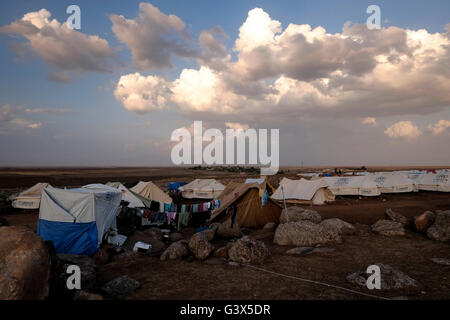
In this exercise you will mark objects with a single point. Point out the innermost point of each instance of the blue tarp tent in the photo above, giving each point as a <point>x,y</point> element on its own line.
<point>173,186</point>
<point>77,219</point>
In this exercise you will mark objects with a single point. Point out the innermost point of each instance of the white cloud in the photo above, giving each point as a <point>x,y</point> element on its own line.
<point>147,36</point>
<point>236,125</point>
<point>370,121</point>
<point>68,52</point>
<point>403,129</point>
<point>141,94</point>
<point>440,127</point>
<point>303,72</point>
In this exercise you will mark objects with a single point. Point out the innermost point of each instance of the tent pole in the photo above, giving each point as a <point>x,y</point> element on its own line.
<point>285,208</point>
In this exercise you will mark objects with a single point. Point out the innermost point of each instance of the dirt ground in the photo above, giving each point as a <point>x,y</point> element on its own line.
<point>214,280</point>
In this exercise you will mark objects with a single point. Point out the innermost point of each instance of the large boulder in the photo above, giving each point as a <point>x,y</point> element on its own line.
<point>222,252</point>
<point>226,231</point>
<point>154,233</point>
<point>200,246</point>
<point>304,234</point>
<point>177,250</point>
<point>248,250</point>
<point>424,221</point>
<point>391,278</point>
<point>294,214</point>
<point>440,230</point>
<point>24,264</point>
<point>395,216</point>
<point>158,246</point>
<point>176,236</point>
<point>388,228</point>
<point>270,226</point>
<point>120,287</point>
<point>338,226</point>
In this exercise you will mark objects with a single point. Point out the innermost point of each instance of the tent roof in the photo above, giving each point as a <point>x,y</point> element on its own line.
<point>298,189</point>
<point>34,191</point>
<point>203,185</point>
<point>127,195</point>
<point>151,191</point>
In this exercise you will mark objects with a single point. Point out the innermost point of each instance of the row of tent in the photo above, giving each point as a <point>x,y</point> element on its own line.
<point>321,190</point>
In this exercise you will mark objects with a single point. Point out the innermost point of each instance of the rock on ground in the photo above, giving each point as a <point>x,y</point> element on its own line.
<point>177,250</point>
<point>24,264</point>
<point>424,221</point>
<point>391,278</point>
<point>176,236</point>
<point>222,252</point>
<point>388,228</point>
<point>440,230</point>
<point>120,287</point>
<point>304,234</point>
<point>225,231</point>
<point>303,251</point>
<point>102,256</point>
<point>154,233</point>
<point>339,226</point>
<point>200,246</point>
<point>158,246</point>
<point>248,250</point>
<point>294,214</point>
<point>270,226</point>
<point>441,261</point>
<point>395,216</point>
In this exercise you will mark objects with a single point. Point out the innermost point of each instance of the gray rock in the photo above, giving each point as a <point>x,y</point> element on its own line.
<point>248,250</point>
<point>176,236</point>
<point>294,214</point>
<point>338,226</point>
<point>440,230</point>
<point>441,261</point>
<point>120,287</point>
<point>177,250</point>
<point>270,226</point>
<point>304,234</point>
<point>226,231</point>
<point>388,228</point>
<point>200,246</point>
<point>395,216</point>
<point>154,233</point>
<point>303,251</point>
<point>391,278</point>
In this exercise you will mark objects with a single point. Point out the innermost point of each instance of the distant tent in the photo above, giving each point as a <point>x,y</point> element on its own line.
<point>250,212</point>
<point>368,188</point>
<point>393,183</point>
<point>434,182</point>
<point>202,189</point>
<point>344,186</point>
<point>303,191</point>
<point>263,183</point>
<point>127,195</point>
<point>76,220</point>
<point>150,191</point>
<point>174,186</point>
<point>30,198</point>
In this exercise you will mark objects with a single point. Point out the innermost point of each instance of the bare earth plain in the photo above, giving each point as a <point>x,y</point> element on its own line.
<point>206,280</point>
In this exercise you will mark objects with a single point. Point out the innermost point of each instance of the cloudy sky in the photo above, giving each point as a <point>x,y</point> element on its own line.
<point>112,92</point>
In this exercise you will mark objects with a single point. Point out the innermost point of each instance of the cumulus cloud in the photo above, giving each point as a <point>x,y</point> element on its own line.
<point>236,125</point>
<point>68,52</point>
<point>140,93</point>
<point>440,127</point>
<point>153,37</point>
<point>369,121</point>
<point>403,129</point>
<point>286,74</point>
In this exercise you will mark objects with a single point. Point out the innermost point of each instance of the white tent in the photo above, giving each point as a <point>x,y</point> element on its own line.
<point>303,191</point>
<point>202,189</point>
<point>434,182</point>
<point>30,198</point>
<point>368,188</point>
<point>151,191</point>
<point>344,186</point>
<point>77,219</point>
<point>393,183</point>
<point>127,195</point>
